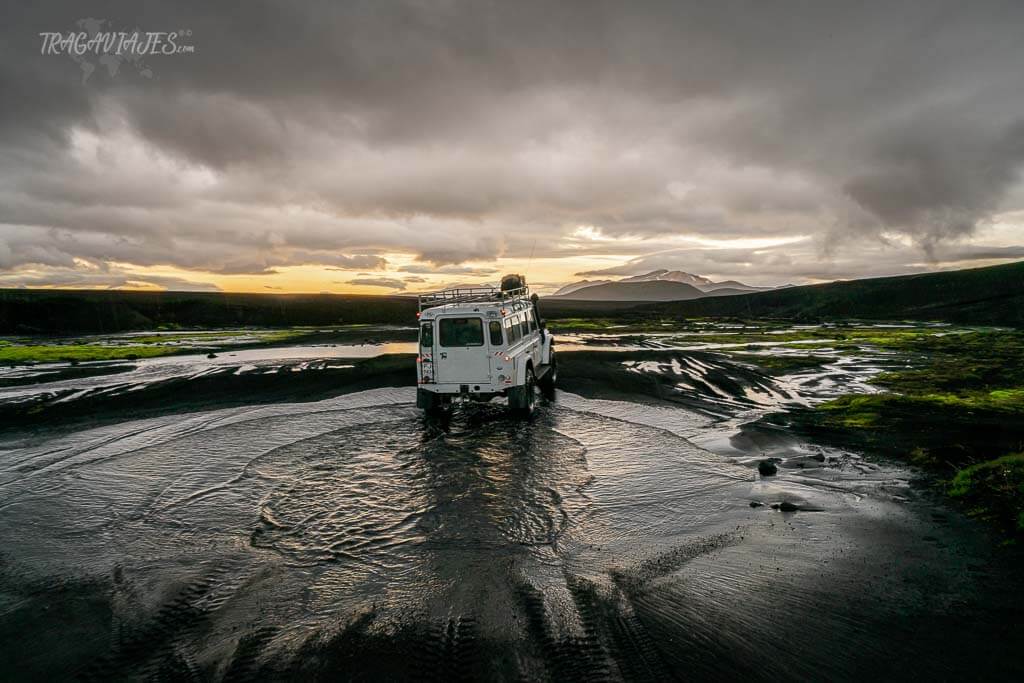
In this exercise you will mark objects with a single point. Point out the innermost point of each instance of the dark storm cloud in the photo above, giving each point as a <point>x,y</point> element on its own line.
<point>449,270</point>
<point>101,279</point>
<point>329,133</point>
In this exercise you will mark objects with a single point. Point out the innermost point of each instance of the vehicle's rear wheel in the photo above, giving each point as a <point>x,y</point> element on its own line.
<point>547,382</point>
<point>431,403</point>
<point>522,400</point>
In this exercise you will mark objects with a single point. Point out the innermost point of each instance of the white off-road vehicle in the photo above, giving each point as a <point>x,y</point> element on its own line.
<point>481,342</point>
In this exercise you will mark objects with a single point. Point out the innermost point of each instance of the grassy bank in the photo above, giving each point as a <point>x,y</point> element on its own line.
<point>55,353</point>
<point>993,491</point>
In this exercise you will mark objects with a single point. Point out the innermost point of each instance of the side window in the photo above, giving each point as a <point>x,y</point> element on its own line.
<point>461,332</point>
<point>496,337</point>
<point>427,335</point>
<point>533,320</point>
<point>525,326</point>
<point>513,330</point>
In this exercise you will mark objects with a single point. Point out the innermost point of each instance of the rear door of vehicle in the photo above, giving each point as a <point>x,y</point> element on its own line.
<point>426,355</point>
<point>461,355</point>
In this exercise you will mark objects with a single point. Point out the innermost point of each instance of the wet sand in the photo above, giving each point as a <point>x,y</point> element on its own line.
<point>624,533</point>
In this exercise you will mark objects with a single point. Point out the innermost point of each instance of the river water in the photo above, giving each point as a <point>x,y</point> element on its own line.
<point>604,539</point>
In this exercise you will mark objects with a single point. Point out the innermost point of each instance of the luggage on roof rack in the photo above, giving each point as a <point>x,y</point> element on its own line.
<point>512,282</point>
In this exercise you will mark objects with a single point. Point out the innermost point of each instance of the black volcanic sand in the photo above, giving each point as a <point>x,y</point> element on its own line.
<point>624,534</point>
<point>48,410</point>
<point>59,372</point>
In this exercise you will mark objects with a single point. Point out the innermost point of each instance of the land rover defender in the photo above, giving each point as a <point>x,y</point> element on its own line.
<point>478,343</point>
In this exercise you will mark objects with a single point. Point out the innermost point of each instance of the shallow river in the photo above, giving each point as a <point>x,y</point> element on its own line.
<point>350,538</point>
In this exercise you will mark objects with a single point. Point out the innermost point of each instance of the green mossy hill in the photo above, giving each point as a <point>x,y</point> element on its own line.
<point>993,491</point>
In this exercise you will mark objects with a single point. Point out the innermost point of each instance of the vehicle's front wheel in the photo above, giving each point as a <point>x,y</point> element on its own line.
<point>522,400</point>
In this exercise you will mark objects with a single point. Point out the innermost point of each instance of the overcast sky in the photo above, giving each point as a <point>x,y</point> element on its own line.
<point>385,146</point>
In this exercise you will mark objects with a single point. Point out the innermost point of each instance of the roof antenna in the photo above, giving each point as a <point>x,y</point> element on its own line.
<point>532,249</point>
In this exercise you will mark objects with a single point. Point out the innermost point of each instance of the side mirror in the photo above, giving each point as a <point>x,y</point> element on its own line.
<point>543,324</point>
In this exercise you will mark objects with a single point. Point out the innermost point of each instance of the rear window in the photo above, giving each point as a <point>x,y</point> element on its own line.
<point>427,335</point>
<point>462,332</point>
<point>495,327</point>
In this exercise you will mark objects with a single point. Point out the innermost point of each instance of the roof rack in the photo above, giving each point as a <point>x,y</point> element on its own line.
<point>466,295</point>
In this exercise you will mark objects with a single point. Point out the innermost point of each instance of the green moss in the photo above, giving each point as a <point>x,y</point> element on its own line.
<point>749,332</point>
<point>613,325</point>
<point>1008,398</point>
<point>181,337</point>
<point>854,412</point>
<point>79,352</point>
<point>993,491</point>
<point>780,364</point>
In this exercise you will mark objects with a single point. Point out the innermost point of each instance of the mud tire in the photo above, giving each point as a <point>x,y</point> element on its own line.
<point>522,400</point>
<point>431,403</point>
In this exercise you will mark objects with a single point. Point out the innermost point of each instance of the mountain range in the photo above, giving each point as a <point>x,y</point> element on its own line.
<point>657,285</point>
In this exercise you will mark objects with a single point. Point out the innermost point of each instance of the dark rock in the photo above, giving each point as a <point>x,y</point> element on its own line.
<point>786,506</point>
<point>767,468</point>
<point>211,355</point>
<point>755,504</point>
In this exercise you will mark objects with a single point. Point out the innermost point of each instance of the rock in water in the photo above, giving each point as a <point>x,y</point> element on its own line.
<point>767,468</point>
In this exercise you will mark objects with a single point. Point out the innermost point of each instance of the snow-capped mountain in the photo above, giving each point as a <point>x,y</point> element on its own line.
<point>670,276</point>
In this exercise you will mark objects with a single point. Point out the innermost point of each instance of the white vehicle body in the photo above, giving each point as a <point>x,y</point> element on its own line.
<point>479,343</point>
